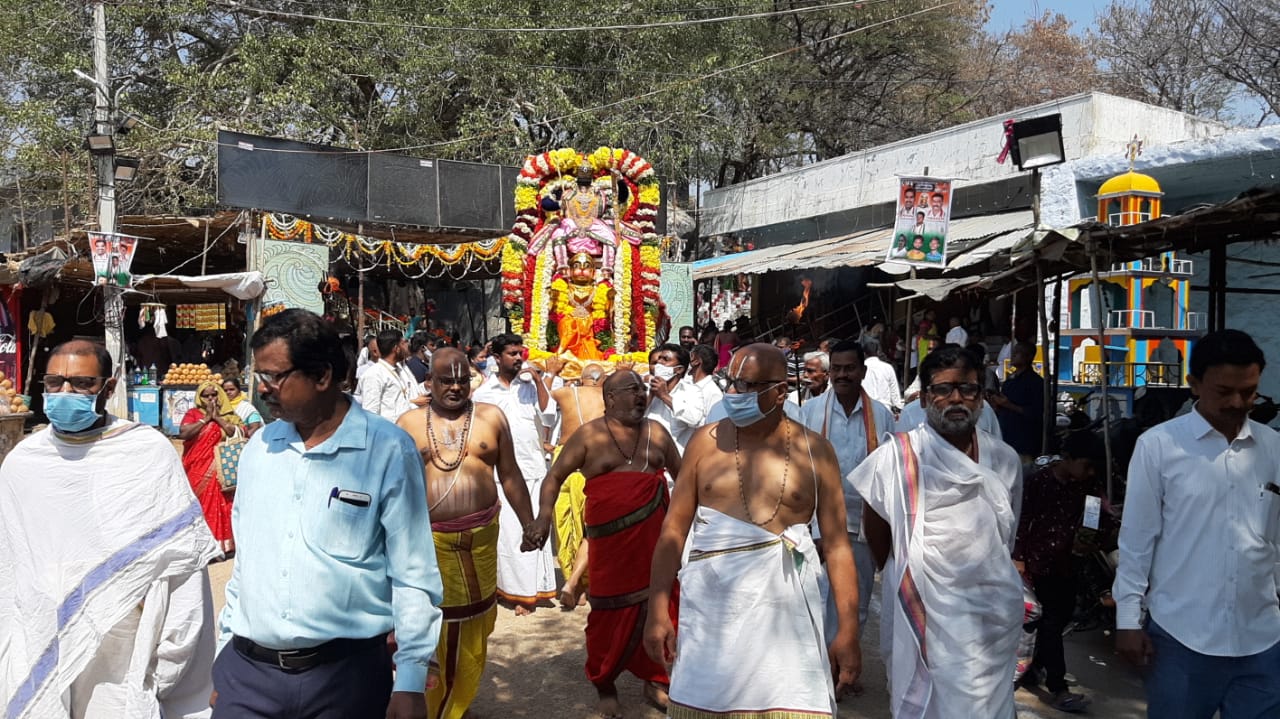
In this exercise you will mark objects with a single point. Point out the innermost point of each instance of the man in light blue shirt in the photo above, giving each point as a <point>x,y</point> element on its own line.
<point>333,544</point>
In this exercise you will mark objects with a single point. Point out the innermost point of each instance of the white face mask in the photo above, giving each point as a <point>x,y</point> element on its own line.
<point>663,372</point>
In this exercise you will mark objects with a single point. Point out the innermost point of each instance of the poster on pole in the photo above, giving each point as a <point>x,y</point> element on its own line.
<point>112,255</point>
<point>921,221</point>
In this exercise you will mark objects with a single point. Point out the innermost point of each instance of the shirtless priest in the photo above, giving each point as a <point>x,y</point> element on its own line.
<point>578,405</point>
<point>751,620</point>
<point>462,442</point>
<point>623,456</point>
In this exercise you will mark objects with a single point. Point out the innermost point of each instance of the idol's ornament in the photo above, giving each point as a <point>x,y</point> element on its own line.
<point>581,267</point>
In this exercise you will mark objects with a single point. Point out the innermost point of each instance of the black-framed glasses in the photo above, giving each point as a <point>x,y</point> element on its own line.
<point>742,386</point>
<point>80,383</point>
<point>968,390</point>
<point>274,379</point>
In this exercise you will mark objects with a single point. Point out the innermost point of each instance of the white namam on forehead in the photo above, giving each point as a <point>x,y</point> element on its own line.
<point>741,361</point>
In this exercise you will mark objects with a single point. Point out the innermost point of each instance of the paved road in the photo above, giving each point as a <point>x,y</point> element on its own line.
<point>536,670</point>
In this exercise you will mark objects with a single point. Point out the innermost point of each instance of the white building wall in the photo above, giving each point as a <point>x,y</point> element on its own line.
<point>1093,123</point>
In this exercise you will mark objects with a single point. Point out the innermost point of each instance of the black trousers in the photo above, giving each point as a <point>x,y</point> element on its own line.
<point>1057,597</point>
<point>355,687</point>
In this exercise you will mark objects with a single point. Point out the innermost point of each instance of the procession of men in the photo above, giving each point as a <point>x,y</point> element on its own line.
<point>724,544</point>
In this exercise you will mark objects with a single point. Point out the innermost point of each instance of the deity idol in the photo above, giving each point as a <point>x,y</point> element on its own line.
<point>582,308</point>
<point>581,226</point>
<point>582,265</point>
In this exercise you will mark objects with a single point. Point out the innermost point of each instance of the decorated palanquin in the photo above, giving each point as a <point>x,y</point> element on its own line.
<point>581,267</point>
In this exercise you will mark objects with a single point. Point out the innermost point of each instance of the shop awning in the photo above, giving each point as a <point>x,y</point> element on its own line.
<point>240,285</point>
<point>973,240</point>
<point>1251,217</point>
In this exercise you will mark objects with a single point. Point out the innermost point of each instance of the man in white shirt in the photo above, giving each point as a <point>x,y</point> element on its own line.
<point>519,390</point>
<point>388,388</point>
<point>855,424</point>
<point>957,335</point>
<point>678,407</point>
<point>702,363</point>
<point>817,366</point>
<point>1200,547</point>
<point>881,381</point>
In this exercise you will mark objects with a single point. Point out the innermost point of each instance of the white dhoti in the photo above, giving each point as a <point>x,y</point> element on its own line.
<point>750,639</point>
<point>952,600</point>
<point>105,607</point>
<point>523,577</point>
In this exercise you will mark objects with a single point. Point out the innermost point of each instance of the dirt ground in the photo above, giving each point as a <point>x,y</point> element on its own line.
<point>536,670</point>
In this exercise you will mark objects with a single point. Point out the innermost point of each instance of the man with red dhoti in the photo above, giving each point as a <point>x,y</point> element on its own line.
<point>626,492</point>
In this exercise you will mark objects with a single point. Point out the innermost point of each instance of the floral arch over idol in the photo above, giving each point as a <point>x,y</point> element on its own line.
<point>581,267</point>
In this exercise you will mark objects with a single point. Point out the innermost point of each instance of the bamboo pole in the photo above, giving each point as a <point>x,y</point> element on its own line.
<point>1046,411</point>
<point>1102,378</point>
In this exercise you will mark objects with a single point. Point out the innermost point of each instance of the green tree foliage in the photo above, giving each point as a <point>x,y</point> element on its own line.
<point>717,101</point>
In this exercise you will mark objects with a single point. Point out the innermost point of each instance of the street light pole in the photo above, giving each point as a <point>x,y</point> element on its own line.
<point>105,166</point>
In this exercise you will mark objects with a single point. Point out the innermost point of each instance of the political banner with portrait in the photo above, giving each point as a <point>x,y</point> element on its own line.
<point>112,255</point>
<point>920,222</point>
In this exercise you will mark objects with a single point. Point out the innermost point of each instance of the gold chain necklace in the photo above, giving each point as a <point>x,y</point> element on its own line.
<point>742,492</point>
<point>634,450</point>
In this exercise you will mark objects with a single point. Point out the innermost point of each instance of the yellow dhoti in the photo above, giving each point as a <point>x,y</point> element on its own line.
<point>569,506</point>
<point>467,553</point>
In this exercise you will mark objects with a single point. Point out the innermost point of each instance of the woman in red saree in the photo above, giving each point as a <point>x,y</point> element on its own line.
<point>203,427</point>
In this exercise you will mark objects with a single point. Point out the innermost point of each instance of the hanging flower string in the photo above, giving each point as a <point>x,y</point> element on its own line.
<point>412,259</point>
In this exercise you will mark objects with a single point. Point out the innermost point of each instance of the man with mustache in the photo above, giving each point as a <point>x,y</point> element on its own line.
<point>623,456</point>
<point>463,443</point>
<point>940,513</point>
<point>751,624</point>
<point>1200,547</point>
<point>855,424</point>
<point>329,530</point>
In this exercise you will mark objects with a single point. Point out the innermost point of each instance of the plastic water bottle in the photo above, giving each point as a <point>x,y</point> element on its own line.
<point>151,374</point>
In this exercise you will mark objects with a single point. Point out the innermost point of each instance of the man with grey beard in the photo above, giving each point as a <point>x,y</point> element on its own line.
<point>940,514</point>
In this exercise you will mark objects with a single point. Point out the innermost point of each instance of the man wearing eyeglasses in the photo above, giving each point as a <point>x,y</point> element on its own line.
<point>105,605</point>
<point>940,513</point>
<point>330,522</point>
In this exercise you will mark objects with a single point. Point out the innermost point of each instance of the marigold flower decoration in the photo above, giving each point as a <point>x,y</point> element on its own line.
<point>526,281</point>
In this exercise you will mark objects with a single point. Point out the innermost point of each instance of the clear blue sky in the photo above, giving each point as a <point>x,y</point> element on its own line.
<point>1009,14</point>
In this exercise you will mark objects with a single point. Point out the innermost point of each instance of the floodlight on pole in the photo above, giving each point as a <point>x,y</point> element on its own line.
<point>100,144</point>
<point>127,123</point>
<point>1037,142</point>
<point>127,168</point>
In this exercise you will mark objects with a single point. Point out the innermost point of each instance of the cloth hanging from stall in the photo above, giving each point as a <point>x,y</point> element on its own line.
<point>161,323</point>
<point>40,323</point>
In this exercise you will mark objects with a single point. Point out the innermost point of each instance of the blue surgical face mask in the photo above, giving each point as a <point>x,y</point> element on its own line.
<point>744,409</point>
<point>71,411</point>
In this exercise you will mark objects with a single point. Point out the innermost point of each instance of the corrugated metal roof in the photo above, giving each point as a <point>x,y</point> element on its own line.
<point>973,240</point>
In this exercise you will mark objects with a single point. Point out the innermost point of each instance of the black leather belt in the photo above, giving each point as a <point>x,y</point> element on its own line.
<point>297,660</point>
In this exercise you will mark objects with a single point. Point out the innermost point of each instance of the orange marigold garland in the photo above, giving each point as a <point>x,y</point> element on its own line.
<point>526,282</point>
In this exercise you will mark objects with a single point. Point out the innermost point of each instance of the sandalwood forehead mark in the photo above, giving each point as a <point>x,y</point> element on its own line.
<point>742,363</point>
